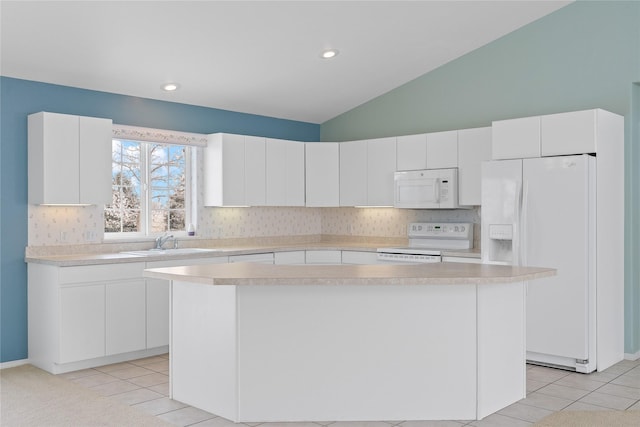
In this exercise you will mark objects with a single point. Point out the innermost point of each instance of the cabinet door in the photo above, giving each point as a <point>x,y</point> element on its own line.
<point>125,317</point>
<point>474,147</point>
<point>568,133</point>
<point>411,152</point>
<point>295,173</point>
<point>381,164</point>
<point>322,174</point>
<point>157,312</point>
<point>54,158</point>
<point>442,150</point>
<point>95,160</point>
<point>254,171</point>
<point>515,138</point>
<point>353,173</point>
<point>224,170</point>
<point>285,173</point>
<point>82,322</point>
<point>276,173</point>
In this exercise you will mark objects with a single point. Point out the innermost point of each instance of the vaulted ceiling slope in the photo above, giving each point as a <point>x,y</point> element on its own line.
<point>260,57</point>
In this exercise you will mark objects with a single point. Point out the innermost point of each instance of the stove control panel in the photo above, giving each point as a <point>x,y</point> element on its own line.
<point>441,230</point>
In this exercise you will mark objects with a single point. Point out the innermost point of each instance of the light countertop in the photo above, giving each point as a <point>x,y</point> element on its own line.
<point>384,274</point>
<point>116,258</point>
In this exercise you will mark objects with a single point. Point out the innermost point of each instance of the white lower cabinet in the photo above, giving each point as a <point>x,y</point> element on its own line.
<point>157,312</point>
<point>102,319</point>
<point>125,318</point>
<point>92,315</point>
<point>80,316</point>
<point>82,323</point>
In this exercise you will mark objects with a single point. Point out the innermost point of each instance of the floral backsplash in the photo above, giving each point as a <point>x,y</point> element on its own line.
<point>61,225</point>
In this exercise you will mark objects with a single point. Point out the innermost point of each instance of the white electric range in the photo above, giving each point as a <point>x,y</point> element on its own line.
<point>427,241</point>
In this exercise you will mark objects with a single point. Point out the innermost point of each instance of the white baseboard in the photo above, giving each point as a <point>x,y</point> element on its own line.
<point>632,356</point>
<point>13,363</point>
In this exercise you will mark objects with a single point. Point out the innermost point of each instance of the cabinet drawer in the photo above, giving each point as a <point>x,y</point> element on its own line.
<point>266,258</point>
<point>194,261</point>
<point>292,257</point>
<point>353,257</point>
<point>100,273</point>
<point>461,259</point>
<point>324,257</point>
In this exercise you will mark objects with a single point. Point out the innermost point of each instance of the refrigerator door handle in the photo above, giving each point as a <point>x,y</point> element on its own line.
<point>517,226</point>
<point>523,222</point>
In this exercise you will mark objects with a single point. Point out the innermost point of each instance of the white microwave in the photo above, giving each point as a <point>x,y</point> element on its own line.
<point>426,189</point>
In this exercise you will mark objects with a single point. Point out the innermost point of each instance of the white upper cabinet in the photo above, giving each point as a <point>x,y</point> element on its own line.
<point>366,172</point>
<point>353,173</point>
<point>254,171</point>
<point>411,152</point>
<point>224,170</point>
<point>570,133</point>
<point>284,173</point>
<point>322,174</point>
<point>69,159</point>
<point>559,134</point>
<point>474,147</point>
<point>381,164</point>
<point>442,150</point>
<point>295,174</point>
<point>516,138</point>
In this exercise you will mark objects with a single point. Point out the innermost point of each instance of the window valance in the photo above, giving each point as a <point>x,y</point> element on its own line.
<point>137,133</point>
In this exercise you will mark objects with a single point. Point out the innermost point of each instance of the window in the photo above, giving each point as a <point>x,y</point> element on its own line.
<point>150,188</point>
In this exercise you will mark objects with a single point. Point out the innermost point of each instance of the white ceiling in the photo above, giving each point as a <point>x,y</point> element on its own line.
<point>258,57</point>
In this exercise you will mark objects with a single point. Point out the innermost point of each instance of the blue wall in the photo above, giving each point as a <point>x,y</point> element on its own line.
<point>20,98</point>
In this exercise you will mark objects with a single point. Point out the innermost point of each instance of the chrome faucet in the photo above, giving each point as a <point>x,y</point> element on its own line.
<point>162,240</point>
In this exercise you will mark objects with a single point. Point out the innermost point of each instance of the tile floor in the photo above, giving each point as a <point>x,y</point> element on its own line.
<point>144,384</point>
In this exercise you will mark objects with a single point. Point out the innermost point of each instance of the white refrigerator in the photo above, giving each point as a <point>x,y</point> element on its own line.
<point>542,212</point>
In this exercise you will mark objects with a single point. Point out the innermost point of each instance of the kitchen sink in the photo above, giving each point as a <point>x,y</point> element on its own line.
<point>178,251</point>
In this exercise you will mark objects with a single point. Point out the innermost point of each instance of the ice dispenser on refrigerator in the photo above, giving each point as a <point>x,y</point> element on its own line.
<point>502,197</point>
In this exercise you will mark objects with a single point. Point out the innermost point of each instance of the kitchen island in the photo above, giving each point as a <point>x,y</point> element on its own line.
<point>255,343</point>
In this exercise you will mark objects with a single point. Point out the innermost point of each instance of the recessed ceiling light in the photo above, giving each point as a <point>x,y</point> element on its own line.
<point>329,53</point>
<point>170,87</point>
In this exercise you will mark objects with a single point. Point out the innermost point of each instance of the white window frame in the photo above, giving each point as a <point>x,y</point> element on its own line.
<point>146,137</point>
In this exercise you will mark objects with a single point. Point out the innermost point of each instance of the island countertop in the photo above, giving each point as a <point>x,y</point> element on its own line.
<point>391,274</point>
